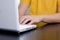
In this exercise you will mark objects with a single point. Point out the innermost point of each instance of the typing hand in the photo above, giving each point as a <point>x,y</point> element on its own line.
<point>30,19</point>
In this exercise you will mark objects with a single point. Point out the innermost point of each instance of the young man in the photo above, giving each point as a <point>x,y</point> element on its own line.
<point>41,12</point>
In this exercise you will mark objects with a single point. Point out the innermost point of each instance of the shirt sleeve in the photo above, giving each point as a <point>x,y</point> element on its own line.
<point>26,1</point>
<point>58,2</point>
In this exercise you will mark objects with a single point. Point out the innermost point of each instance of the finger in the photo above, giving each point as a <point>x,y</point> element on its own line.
<point>22,19</point>
<point>30,23</point>
<point>25,21</point>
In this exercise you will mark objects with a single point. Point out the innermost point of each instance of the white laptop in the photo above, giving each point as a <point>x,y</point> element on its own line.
<point>9,18</point>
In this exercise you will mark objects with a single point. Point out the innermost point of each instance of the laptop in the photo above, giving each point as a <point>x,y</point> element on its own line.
<point>9,19</point>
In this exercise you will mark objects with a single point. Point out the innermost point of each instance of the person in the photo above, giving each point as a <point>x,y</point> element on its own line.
<point>41,12</point>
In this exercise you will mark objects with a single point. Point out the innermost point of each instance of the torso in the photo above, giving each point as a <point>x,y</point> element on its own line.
<point>41,7</point>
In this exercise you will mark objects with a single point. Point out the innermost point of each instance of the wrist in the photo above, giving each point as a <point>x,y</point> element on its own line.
<point>42,18</point>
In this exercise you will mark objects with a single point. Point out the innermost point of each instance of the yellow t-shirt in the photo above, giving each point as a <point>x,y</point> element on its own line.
<point>41,7</point>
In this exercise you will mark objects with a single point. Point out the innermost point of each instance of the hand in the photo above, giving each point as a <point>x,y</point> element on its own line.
<point>30,19</point>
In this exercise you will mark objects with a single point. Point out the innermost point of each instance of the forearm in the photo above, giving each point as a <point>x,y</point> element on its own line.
<point>51,18</point>
<point>21,13</point>
<point>22,9</point>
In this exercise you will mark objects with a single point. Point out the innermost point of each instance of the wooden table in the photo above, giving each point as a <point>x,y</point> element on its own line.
<point>49,32</point>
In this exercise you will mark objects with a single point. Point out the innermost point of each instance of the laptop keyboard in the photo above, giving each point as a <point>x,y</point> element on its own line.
<point>26,27</point>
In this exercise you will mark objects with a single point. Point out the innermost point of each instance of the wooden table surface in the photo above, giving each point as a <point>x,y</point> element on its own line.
<point>49,32</point>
